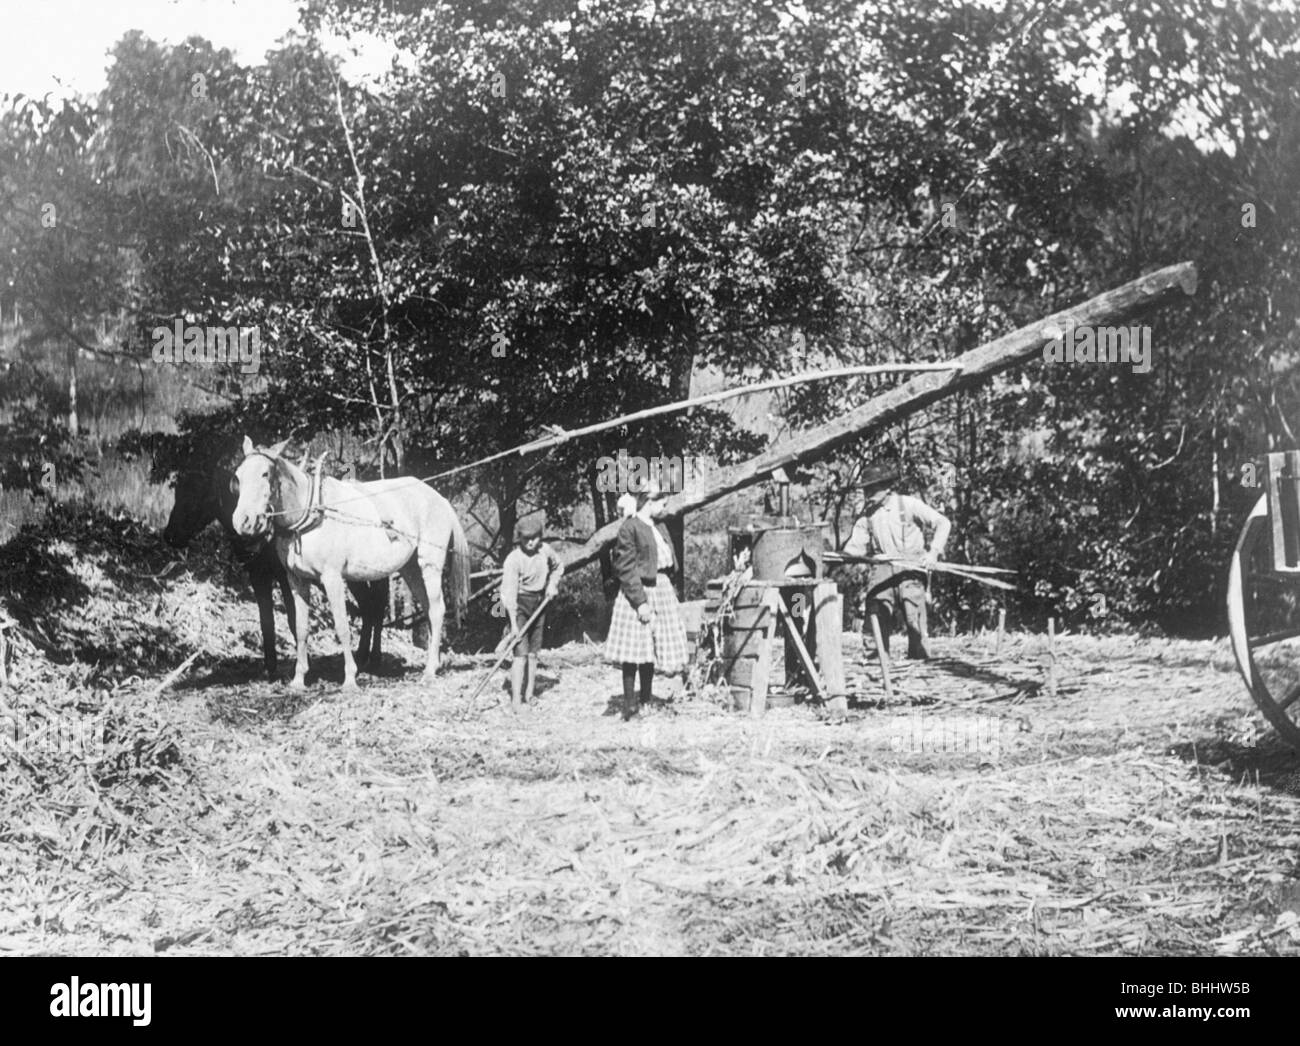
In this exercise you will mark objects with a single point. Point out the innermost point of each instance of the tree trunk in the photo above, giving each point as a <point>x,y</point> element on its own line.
<point>684,367</point>
<point>676,527</point>
<point>507,517</point>
<point>600,510</point>
<point>505,491</point>
<point>73,426</point>
<point>399,447</point>
<point>976,366</point>
<point>1214,475</point>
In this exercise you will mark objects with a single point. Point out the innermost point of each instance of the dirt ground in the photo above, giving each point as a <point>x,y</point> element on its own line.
<point>1134,812</point>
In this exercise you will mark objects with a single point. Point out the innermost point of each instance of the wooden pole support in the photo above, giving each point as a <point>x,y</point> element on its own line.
<point>828,633</point>
<point>792,630</point>
<point>883,653</point>
<point>758,691</point>
<point>1051,657</point>
<point>1002,624</point>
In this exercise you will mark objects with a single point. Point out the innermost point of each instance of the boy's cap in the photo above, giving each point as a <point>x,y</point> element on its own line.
<point>528,528</point>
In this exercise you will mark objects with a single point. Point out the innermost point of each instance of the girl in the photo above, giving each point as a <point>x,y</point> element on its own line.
<point>646,630</point>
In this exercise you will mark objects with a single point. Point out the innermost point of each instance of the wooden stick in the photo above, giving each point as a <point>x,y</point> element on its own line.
<point>793,629</point>
<point>1051,657</point>
<point>981,575</point>
<point>1002,621</point>
<point>912,564</point>
<point>564,435</point>
<point>175,674</point>
<point>505,651</point>
<point>883,653</point>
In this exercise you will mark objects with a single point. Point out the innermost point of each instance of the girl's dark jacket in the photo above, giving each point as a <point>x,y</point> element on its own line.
<point>636,558</point>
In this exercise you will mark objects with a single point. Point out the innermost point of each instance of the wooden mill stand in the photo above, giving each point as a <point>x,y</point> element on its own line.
<point>775,624</point>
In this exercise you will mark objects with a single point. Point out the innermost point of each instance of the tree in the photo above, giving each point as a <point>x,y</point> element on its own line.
<point>60,256</point>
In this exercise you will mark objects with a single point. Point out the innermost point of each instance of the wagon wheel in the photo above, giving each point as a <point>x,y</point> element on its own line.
<point>1264,625</point>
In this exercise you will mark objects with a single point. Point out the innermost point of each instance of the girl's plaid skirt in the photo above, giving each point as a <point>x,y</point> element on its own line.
<point>662,641</point>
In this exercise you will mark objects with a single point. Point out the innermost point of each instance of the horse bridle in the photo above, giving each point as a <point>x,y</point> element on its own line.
<point>311,515</point>
<point>246,549</point>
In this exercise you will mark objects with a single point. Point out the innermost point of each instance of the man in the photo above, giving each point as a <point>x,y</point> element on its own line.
<point>894,525</point>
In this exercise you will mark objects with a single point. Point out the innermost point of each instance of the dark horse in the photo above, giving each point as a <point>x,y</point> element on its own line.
<point>203,495</point>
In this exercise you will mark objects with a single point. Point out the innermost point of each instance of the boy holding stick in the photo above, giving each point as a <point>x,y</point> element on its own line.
<point>530,574</point>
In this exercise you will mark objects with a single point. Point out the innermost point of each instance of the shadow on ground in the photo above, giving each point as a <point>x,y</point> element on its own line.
<point>1271,761</point>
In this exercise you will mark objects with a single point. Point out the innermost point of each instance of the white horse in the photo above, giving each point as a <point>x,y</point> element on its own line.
<point>329,531</point>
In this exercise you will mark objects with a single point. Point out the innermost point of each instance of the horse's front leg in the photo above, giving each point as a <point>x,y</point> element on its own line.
<point>266,613</point>
<point>336,591</point>
<point>302,618</point>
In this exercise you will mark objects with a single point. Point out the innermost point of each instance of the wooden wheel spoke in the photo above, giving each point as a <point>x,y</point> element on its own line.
<point>1275,579</point>
<point>1274,637</point>
<point>1292,696</point>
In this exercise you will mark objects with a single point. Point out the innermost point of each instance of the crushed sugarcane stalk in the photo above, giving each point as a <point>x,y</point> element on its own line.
<point>962,570</point>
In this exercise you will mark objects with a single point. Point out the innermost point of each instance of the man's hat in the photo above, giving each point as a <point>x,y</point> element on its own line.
<point>877,477</point>
<point>528,528</point>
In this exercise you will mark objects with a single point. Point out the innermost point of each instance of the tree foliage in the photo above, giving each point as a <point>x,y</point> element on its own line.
<point>546,214</point>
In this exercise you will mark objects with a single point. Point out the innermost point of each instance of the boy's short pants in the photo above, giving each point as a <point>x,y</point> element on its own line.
<point>531,641</point>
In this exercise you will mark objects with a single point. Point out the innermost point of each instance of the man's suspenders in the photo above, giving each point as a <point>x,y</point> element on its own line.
<point>902,526</point>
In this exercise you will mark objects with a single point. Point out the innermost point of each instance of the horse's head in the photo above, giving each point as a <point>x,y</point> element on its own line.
<point>257,489</point>
<point>196,506</point>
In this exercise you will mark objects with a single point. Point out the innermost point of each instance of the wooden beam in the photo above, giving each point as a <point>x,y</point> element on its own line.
<point>974,367</point>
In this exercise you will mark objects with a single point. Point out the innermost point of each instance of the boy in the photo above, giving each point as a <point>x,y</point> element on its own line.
<point>530,573</point>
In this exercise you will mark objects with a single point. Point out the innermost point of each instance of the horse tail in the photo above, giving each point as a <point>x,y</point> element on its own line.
<point>460,565</point>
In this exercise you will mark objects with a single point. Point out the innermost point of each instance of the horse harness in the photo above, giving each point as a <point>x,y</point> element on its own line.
<point>311,515</point>
<point>316,510</point>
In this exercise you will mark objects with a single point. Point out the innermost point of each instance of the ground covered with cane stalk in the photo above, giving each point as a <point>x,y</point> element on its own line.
<point>1141,809</point>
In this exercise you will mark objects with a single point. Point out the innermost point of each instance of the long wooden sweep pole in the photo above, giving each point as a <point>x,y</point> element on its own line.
<point>964,372</point>
<point>559,435</point>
